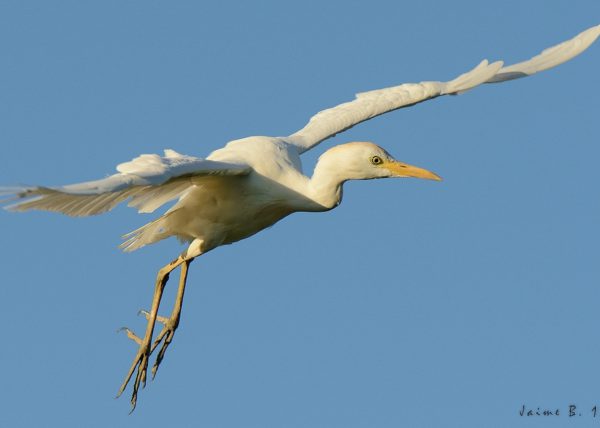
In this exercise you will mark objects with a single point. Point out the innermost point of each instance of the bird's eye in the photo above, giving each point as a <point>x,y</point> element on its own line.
<point>376,160</point>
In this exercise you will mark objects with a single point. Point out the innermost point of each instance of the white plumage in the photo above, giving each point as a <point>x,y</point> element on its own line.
<point>252,183</point>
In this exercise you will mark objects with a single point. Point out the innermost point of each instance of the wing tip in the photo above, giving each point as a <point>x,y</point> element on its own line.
<point>8,195</point>
<point>587,38</point>
<point>549,57</point>
<point>592,32</point>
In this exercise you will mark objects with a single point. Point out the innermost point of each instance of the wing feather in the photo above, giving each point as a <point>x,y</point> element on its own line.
<point>550,57</point>
<point>148,181</point>
<point>367,105</point>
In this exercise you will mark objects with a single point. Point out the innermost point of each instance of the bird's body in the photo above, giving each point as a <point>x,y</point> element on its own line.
<point>224,209</point>
<point>252,183</point>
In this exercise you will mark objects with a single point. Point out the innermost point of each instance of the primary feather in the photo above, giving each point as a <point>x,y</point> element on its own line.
<point>148,181</point>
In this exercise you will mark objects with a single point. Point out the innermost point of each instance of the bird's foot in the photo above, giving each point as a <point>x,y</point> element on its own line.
<point>146,345</point>
<point>165,336</point>
<point>140,362</point>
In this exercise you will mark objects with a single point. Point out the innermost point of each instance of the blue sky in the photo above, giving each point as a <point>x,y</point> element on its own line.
<point>413,304</point>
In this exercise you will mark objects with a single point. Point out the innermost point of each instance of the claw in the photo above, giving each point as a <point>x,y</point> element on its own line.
<point>145,313</point>
<point>131,335</point>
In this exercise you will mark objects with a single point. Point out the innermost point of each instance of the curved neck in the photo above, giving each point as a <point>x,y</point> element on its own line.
<point>325,185</point>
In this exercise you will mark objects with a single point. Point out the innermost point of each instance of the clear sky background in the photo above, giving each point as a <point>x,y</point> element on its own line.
<point>414,303</point>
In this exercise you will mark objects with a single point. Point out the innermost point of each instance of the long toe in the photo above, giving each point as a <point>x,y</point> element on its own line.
<point>161,353</point>
<point>140,362</point>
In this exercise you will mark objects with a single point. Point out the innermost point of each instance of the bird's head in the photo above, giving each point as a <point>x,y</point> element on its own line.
<point>364,161</point>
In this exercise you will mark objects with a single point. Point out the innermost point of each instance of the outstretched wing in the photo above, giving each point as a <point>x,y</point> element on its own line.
<point>149,181</point>
<point>367,105</point>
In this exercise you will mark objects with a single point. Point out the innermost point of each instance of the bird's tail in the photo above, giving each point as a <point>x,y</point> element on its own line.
<point>147,234</point>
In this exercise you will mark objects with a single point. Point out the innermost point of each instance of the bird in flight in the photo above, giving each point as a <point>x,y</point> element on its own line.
<point>252,183</point>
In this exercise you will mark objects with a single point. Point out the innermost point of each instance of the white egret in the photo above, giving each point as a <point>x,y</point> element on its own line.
<point>252,183</point>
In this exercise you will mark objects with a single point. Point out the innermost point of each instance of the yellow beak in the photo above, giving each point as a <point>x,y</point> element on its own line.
<point>399,169</point>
